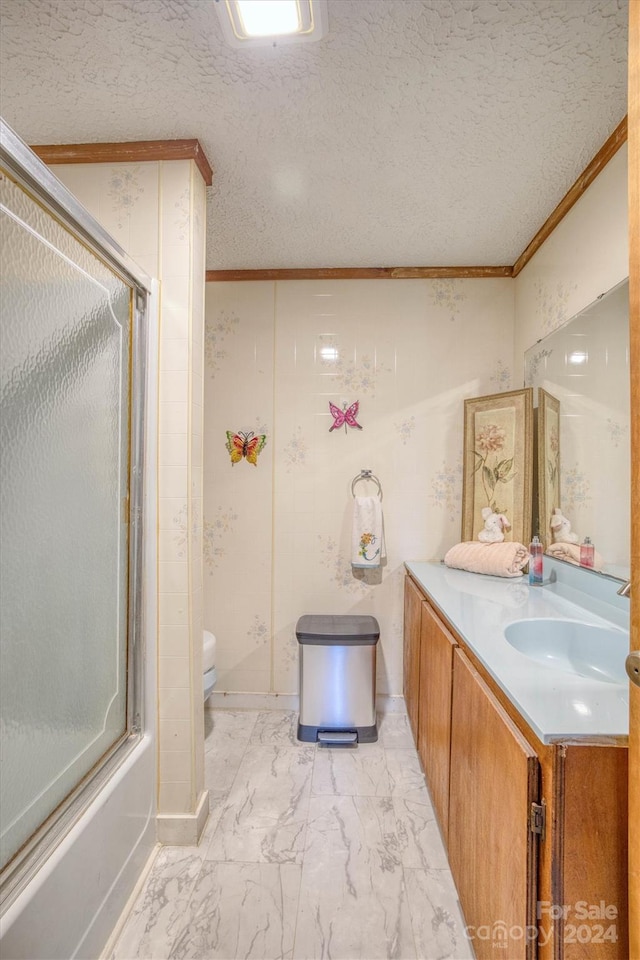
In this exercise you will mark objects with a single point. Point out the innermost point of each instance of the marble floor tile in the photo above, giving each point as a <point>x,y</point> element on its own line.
<point>221,764</point>
<point>157,915</point>
<point>405,775</point>
<point>240,910</point>
<point>419,834</point>
<point>351,771</point>
<point>438,924</point>
<point>228,727</point>
<point>394,731</point>
<point>353,902</point>
<point>274,727</point>
<point>264,816</point>
<point>308,852</point>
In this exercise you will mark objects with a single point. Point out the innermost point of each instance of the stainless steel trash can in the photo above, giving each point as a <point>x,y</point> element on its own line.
<point>337,678</point>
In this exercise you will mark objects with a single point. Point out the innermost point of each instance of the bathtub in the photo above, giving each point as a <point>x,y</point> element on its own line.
<point>73,903</point>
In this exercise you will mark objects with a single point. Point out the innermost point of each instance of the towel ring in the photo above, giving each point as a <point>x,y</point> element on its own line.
<point>366,475</point>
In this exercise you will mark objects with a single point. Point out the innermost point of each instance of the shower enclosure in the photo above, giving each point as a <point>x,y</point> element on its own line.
<point>74,317</point>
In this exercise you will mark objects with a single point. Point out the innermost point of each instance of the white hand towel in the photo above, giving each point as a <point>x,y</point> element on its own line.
<point>367,541</point>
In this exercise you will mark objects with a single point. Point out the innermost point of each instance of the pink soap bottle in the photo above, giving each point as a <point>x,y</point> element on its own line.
<point>586,553</point>
<point>535,562</point>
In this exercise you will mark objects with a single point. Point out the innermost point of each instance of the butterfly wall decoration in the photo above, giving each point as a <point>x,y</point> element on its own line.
<point>346,417</point>
<point>245,445</point>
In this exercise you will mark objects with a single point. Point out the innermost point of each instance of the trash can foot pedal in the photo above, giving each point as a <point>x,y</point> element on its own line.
<point>337,736</point>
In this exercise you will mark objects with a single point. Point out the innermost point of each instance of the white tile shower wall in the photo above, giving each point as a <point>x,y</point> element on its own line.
<point>156,211</point>
<point>278,535</point>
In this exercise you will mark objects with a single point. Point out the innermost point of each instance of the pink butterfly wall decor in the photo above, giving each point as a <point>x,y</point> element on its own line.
<point>346,417</point>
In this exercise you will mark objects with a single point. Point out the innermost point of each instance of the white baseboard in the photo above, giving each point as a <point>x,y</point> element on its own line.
<point>285,701</point>
<point>183,829</point>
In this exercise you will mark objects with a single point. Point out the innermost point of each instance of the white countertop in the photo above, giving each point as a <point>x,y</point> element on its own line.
<point>556,705</point>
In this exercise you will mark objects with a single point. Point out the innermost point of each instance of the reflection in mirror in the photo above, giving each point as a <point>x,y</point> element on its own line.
<point>584,367</point>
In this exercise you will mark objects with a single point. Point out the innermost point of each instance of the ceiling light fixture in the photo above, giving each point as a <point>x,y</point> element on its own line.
<point>265,19</point>
<point>253,23</point>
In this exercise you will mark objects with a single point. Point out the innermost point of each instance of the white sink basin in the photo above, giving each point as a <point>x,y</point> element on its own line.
<point>572,646</point>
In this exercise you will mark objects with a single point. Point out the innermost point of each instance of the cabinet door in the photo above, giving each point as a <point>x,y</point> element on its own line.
<point>494,780</point>
<point>413,601</point>
<point>434,734</point>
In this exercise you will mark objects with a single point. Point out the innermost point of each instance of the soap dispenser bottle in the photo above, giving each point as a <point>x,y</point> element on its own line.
<point>535,561</point>
<point>586,553</point>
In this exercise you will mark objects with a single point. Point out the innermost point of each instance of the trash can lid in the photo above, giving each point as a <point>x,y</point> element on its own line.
<point>346,629</point>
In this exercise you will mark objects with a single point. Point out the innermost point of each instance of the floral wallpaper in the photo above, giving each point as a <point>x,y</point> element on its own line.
<point>575,490</point>
<point>553,302</point>
<point>359,377</point>
<point>446,487</point>
<point>535,363</point>
<point>501,376</point>
<point>216,533</point>
<point>124,191</point>
<point>447,295</point>
<point>295,451</point>
<point>181,220</point>
<point>338,566</point>
<point>217,330</point>
<point>277,538</point>
<point>618,432</point>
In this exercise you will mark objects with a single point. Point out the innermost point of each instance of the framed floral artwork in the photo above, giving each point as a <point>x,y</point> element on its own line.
<point>498,462</point>
<point>548,462</point>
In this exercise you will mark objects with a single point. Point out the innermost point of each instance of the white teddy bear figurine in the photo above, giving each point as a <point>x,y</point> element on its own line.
<point>494,526</point>
<point>561,528</point>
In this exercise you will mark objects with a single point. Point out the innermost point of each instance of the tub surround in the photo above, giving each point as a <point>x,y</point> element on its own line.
<point>556,705</point>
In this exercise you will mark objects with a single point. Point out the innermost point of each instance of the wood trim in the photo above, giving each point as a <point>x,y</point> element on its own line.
<point>140,151</point>
<point>586,178</point>
<point>136,151</point>
<point>358,273</point>
<point>634,346</point>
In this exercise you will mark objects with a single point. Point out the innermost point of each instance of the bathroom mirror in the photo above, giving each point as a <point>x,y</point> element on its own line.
<point>583,366</point>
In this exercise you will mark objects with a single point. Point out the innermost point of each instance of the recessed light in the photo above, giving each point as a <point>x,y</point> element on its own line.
<point>269,18</point>
<point>253,23</point>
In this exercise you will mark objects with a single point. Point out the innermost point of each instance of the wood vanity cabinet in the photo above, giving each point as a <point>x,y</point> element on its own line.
<point>434,718</point>
<point>413,601</point>
<point>536,833</point>
<point>492,852</point>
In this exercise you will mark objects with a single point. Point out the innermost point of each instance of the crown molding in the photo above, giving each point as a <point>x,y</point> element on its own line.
<point>358,273</point>
<point>140,151</point>
<point>586,178</point>
<point>136,151</point>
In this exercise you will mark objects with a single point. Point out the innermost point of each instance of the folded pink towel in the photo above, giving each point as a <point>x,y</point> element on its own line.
<point>504,559</point>
<point>571,553</point>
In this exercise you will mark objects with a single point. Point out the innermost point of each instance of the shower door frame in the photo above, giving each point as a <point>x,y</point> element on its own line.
<point>29,172</point>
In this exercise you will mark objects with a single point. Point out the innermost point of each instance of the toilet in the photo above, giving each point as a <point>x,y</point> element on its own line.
<point>208,662</point>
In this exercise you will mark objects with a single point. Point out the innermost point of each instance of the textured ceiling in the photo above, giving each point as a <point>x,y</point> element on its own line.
<point>418,132</point>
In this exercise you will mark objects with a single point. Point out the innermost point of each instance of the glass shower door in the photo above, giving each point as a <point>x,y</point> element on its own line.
<point>65,366</point>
